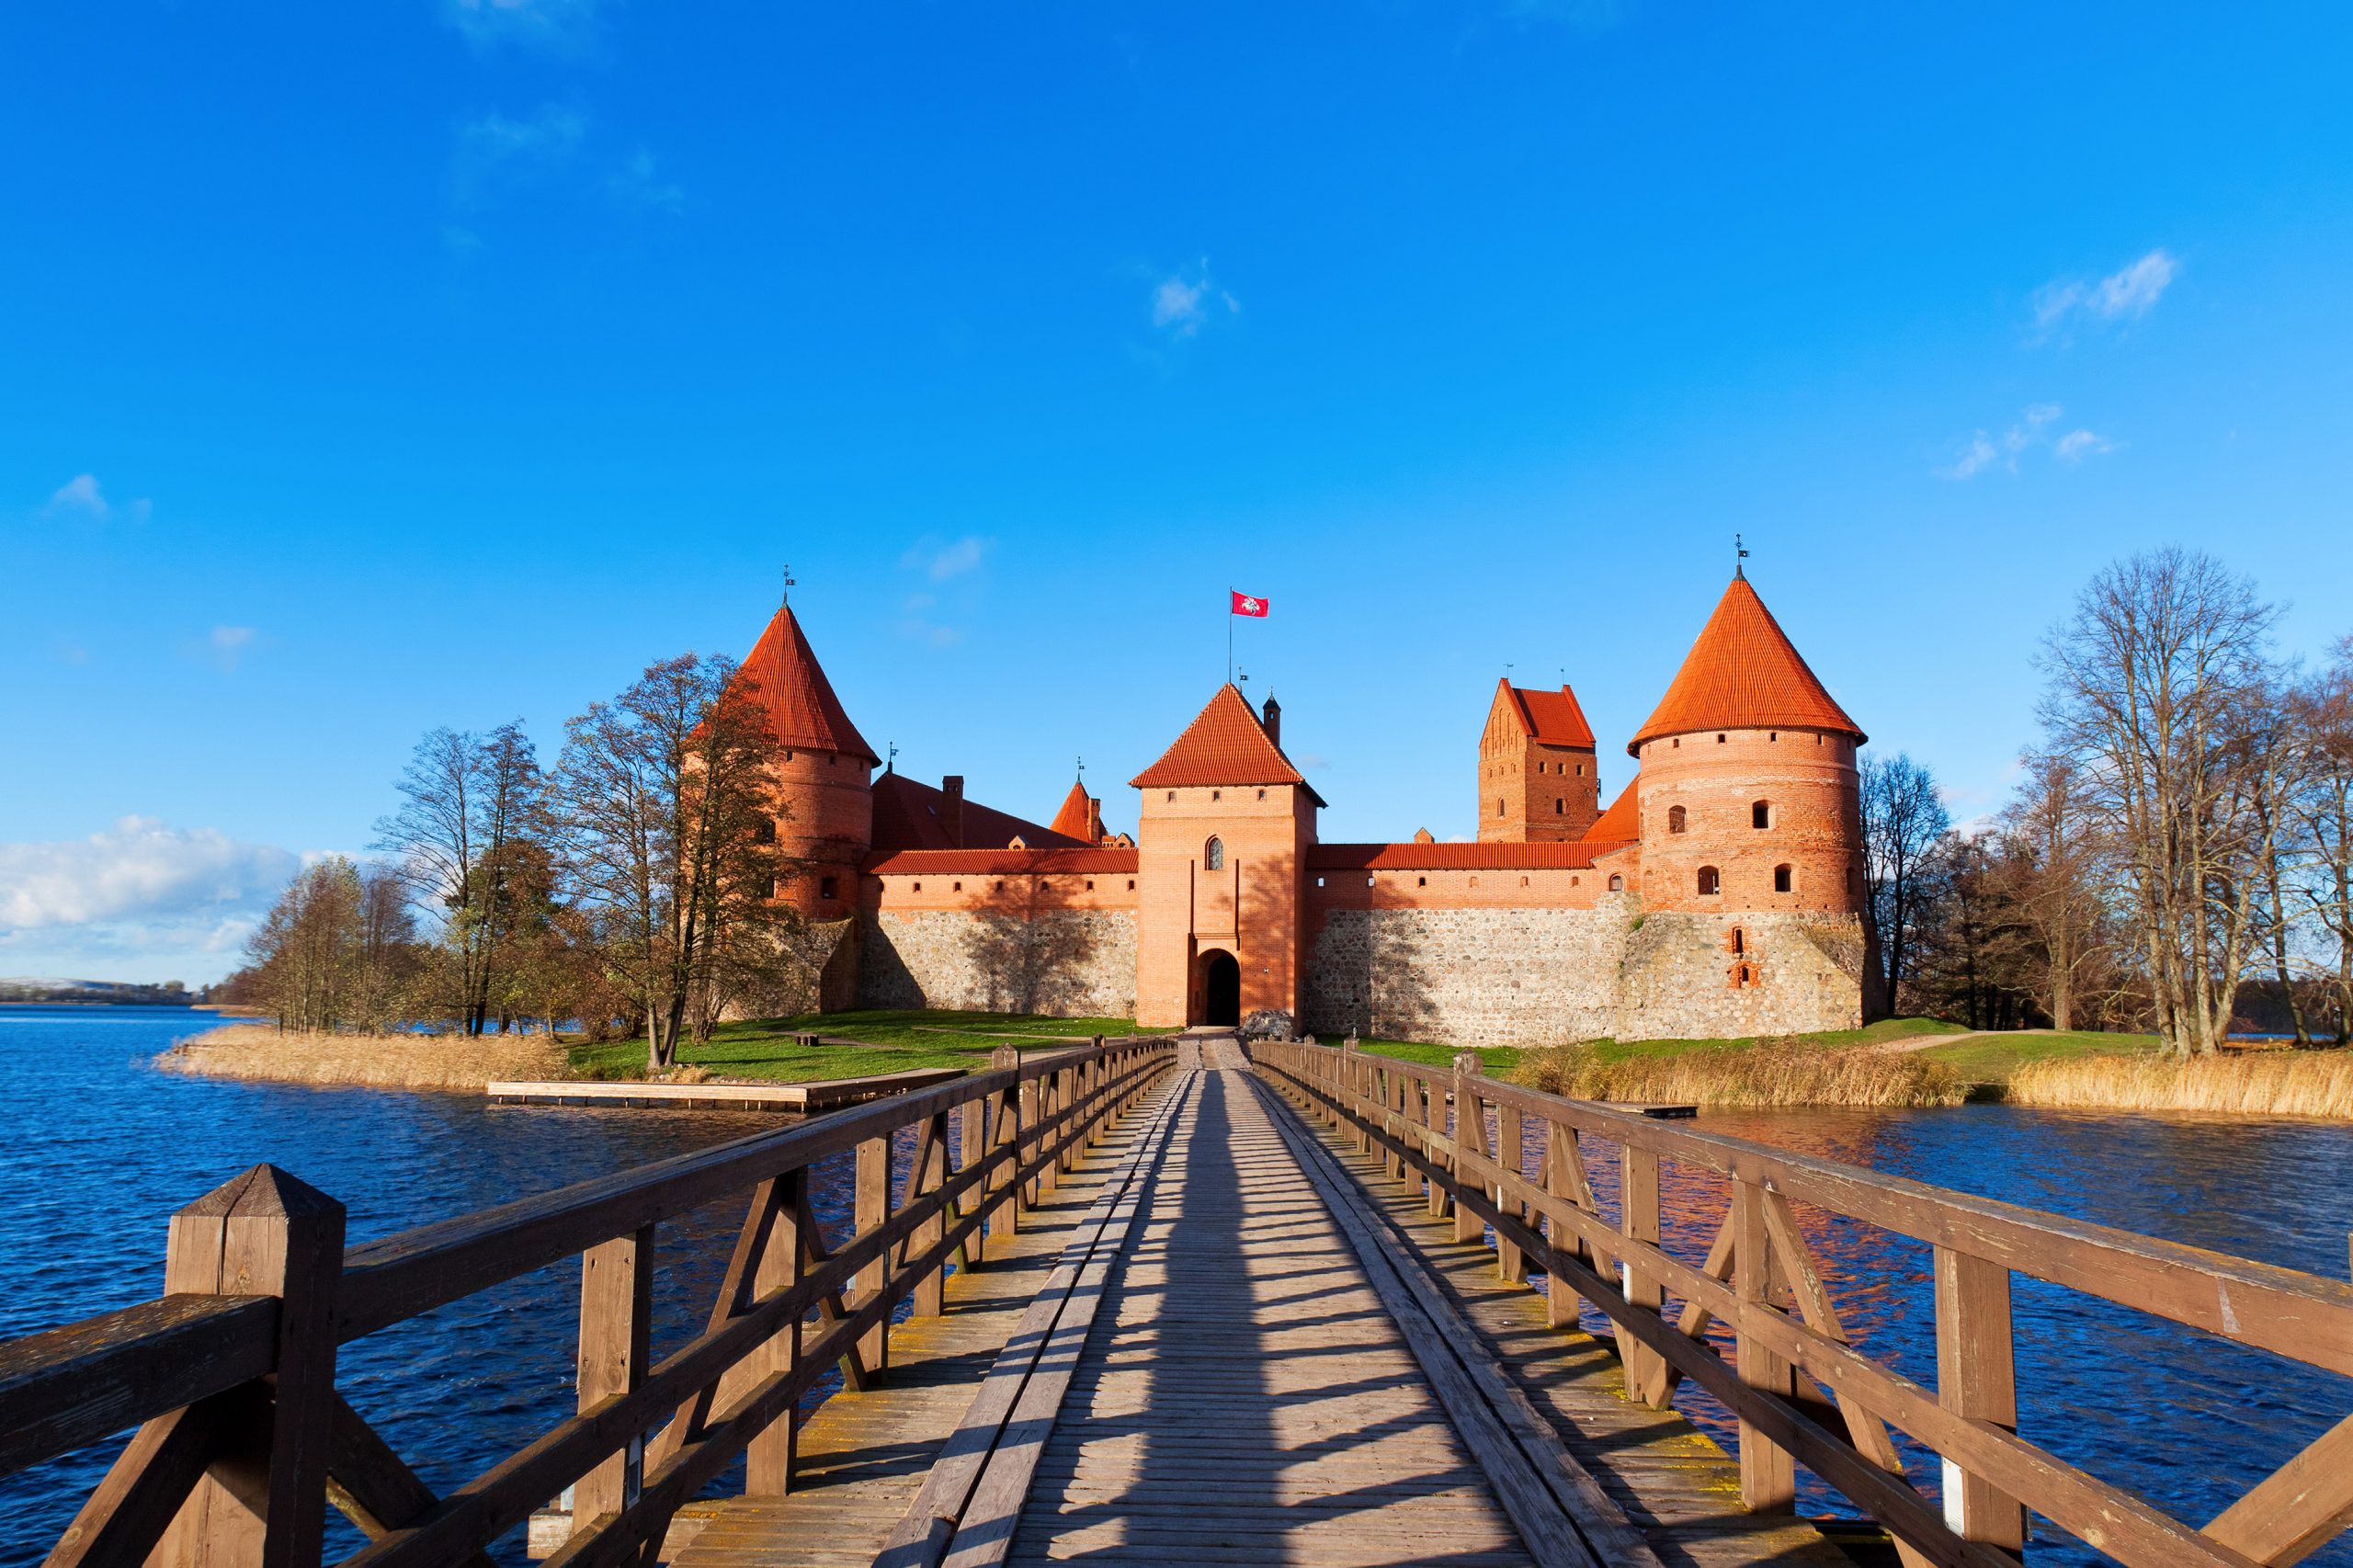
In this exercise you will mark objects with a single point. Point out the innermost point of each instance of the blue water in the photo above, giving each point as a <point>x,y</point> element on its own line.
<point>98,1149</point>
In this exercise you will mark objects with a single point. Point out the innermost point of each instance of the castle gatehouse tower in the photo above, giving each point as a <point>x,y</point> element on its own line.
<point>1537,781</point>
<point>827,823</point>
<point>1226,824</point>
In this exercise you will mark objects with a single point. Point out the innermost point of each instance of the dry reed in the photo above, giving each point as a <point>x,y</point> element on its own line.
<point>1765,1074</point>
<point>2270,1083</point>
<point>373,1061</point>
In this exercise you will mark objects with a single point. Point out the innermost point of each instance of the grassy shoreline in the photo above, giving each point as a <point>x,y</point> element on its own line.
<point>452,1062</point>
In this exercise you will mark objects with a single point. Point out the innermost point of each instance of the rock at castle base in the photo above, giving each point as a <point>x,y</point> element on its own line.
<point>1268,1023</point>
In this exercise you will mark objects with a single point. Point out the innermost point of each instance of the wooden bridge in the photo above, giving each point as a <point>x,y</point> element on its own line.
<point>1157,1301</point>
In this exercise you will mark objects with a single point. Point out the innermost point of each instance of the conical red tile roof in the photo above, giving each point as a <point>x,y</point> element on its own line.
<point>1071,821</point>
<point>1223,744</point>
<point>800,700</point>
<point>1743,673</point>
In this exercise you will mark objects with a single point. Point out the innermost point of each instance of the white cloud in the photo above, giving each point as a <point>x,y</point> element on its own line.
<point>2031,433</point>
<point>549,134</point>
<point>83,495</point>
<point>2077,445</point>
<point>2128,293</point>
<point>1182,306</point>
<point>561,26</point>
<point>138,870</point>
<point>635,187</point>
<point>940,559</point>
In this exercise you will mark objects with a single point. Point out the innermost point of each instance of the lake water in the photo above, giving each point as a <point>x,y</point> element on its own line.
<point>100,1148</point>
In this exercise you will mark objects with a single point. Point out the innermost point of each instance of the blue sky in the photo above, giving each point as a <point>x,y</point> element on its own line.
<point>378,365</point>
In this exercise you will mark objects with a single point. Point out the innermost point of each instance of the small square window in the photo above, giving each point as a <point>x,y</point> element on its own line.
<point>1090,884</point>
<point>1172,796</point>
<point>1217,795</point>
<point>918,888</point>
<point>958,887</point>
<point>1319,881</point>
<point>826,887</point>
<point>1131,884</point>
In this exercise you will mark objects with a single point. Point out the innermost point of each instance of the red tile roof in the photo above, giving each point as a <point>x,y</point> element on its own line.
<point>908,815</point>
<point>1618,826</point>
<point>1744,673</point>
<point>1493,857</point>
<point>1223,744</point>
<point>1551,717</point>
<point>1071,821</point>
<point>800,700</point>
<point>1000,862</point>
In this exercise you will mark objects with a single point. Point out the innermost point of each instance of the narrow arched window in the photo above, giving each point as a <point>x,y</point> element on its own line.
<point>1780,879</point>
<point>1739,941</point>
<point>1709,883</point>
<point>1499,805</point>
<point>1760,813</point>
<point>1617,884</point>
<point>1557,808</point>
<point>1213,855</point>
<point>1675,819</point>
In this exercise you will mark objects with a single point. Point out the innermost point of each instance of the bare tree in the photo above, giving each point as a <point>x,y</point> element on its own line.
<point>662,797</point>
<point>1903,820</point>
<point>336,950</point>
<point>466,802</point>
<point>2158,685</point>
<point>2323,808</point>
<point>2056,885</point>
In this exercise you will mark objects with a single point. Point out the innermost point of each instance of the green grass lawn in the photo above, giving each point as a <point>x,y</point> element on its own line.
<point>856,1044</point>
<point>1502,1059</point>
<point>1990,1059</point>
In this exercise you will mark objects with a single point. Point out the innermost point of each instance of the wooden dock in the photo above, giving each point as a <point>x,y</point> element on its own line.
<point>1160,1301</point>
<point>817,1094</point>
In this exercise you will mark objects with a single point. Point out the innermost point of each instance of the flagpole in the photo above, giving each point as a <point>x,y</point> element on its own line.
<point>1229,636</point>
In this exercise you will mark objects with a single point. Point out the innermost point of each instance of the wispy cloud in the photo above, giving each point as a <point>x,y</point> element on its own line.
<point>83,496</point>
<point>916,624</point>
<point>2032,431</point>
<point>2126,295</point>
<point>1183,303</point>
<point>562,26</point>
<point>635,187</point>
<point>549,135</point>
<point>939,559</point>
<point>224,648</point>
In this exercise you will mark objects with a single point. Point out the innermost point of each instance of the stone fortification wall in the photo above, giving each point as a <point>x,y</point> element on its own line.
<point>1078,963</point>
<point>1520,976</point>
<point>1681,975</point>
<point>1467,977</point>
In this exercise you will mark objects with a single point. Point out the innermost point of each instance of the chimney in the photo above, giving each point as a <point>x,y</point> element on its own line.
<point>1274,719</point>
<point>952,818</point>
<point>1094,820</point>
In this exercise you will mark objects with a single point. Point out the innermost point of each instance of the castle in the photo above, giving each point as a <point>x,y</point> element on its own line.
<point>1719,894</point>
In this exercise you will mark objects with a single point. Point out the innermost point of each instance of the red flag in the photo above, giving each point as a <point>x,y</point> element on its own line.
<point>1245,604</point>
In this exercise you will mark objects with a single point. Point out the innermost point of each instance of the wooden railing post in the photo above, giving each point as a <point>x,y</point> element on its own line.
<point>1511,1265</point>
<point>1470,1143</point>
<point>929,1175</point>
<point>1393,1119</point>
<point>1564,1171</point>
<point>263,1505</point>
<point>1638,1221</point>
<point>1361,1074</point>
<point>1004,1129</point>
<point>874,1208</point>
<point>616,1337</point>
<point>1066,1086</point>
<point>1977,1377</point>
<point>971,1148</point>
<point>1768,1475</point>
<point>1029,1139</point>
<point>768,1460</point>
<point>1433,1093</point>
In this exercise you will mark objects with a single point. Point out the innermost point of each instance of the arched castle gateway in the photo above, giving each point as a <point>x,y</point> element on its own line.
<point>1718,895</point>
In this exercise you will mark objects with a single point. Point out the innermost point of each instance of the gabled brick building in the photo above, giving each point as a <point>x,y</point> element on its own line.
<point>1718,895</point>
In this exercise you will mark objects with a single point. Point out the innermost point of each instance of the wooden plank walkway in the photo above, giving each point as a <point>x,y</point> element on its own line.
<point>862,1457</point>
<point>1245,1394</point>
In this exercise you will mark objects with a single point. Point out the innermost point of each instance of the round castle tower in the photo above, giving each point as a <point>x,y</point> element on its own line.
<point>826,795</point>
<point>1749,797</point>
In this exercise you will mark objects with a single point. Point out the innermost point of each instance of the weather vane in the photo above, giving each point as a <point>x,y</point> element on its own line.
<point>1740,553</point>
<point>1082,767</point>
<point>786,597</point>
<point>891,763</point>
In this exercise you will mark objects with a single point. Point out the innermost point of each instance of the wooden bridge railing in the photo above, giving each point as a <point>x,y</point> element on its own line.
<point>242,1440</point>
<point>1799,1389</point>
